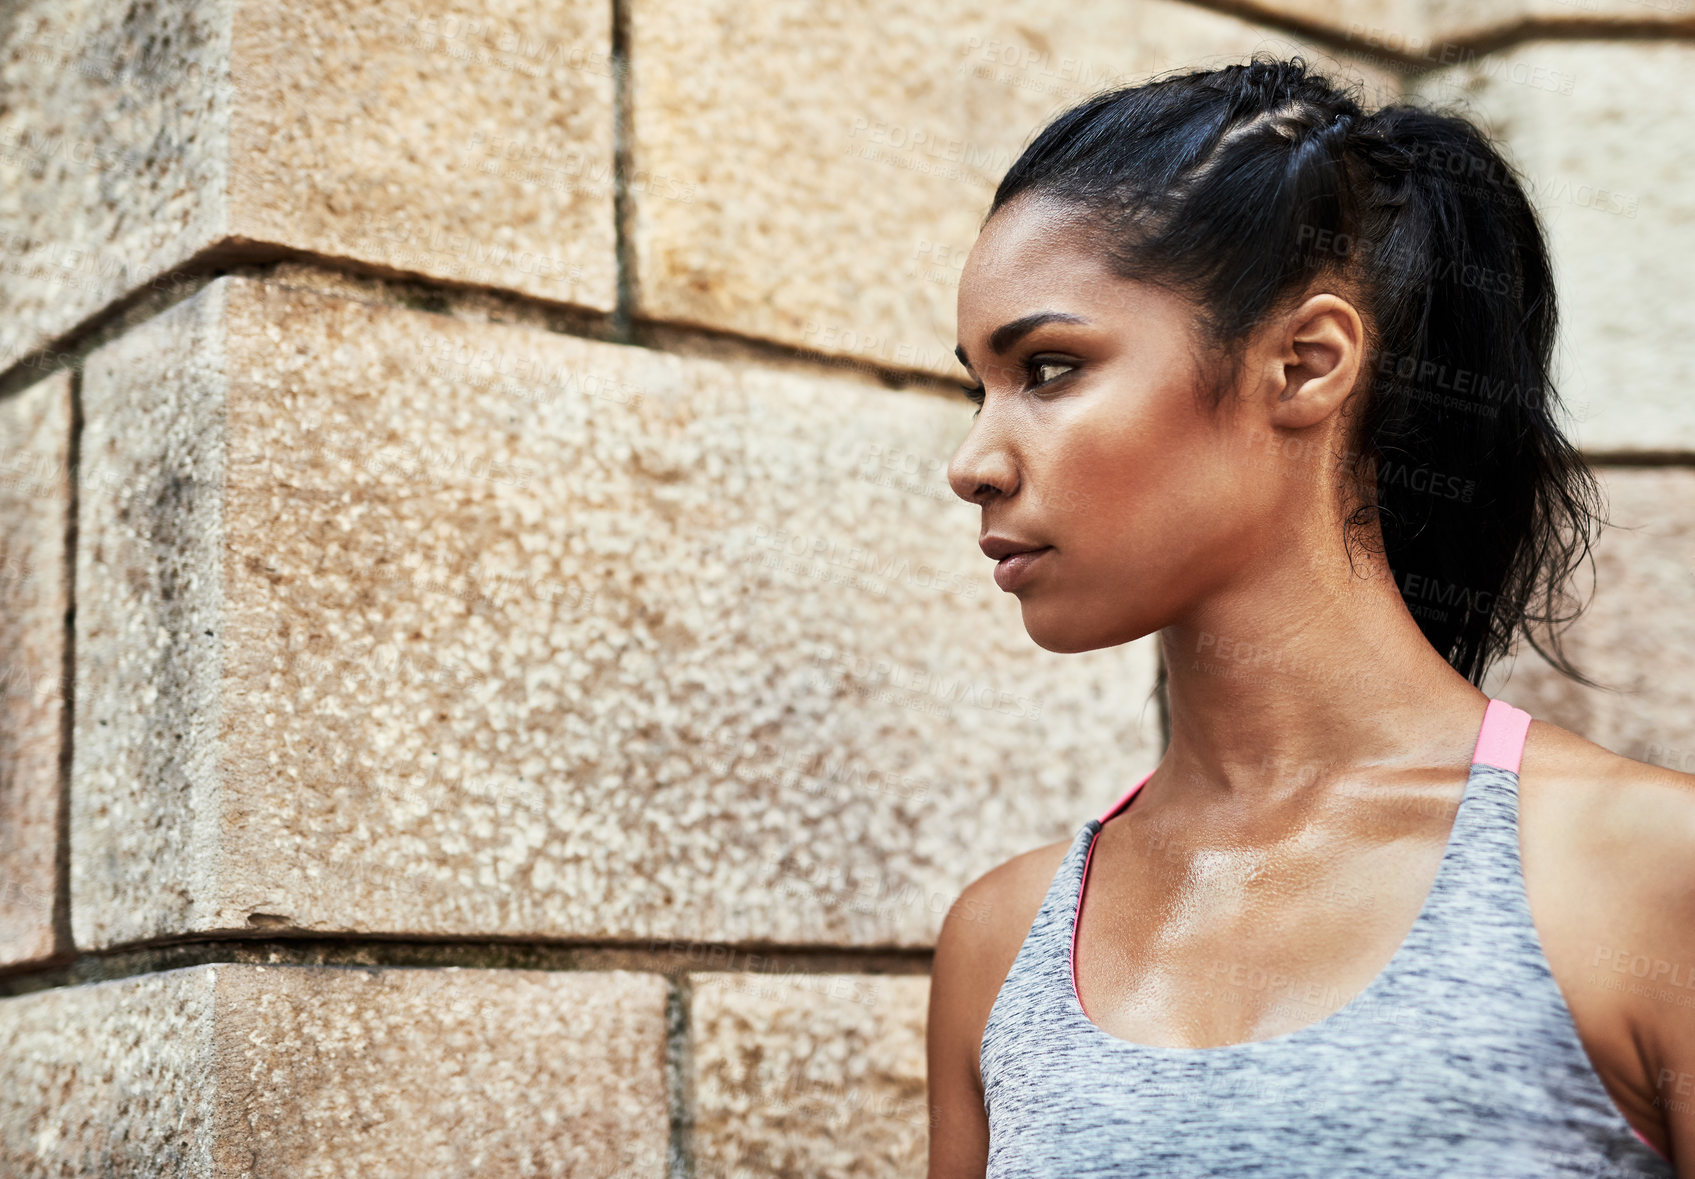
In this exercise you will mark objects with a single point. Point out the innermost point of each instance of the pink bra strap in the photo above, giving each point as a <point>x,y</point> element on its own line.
<point>1124,802</point>
<point>1500,742</point>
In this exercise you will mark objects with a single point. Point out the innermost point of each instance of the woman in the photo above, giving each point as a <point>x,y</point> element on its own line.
<point>1268,374</point>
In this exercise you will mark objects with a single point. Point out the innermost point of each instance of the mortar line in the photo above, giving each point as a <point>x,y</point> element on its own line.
<point>1640,458</point>
<point>70,348</point>
<point>61,911</point>
<point>1489,39</point>
<point>679,1075</point>
<point>623,208</point>
<point>672,957</point>
<point>1543,29</point>
<point>262,263</point>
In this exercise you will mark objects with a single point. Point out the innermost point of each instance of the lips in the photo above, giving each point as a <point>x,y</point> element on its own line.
<point>999,547</point>
<point>1012,558</point>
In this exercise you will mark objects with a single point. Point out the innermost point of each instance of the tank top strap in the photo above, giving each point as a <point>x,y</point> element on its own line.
<point>1482,856</point>
<point>1035,989</point>
<point>1477,911</point>
<point>1500,740</point>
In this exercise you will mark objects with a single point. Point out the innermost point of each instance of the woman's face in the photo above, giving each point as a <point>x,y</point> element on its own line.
<point>1094,440</point>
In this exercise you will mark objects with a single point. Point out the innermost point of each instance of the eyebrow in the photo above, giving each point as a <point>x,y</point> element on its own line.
<point>1008,334</point>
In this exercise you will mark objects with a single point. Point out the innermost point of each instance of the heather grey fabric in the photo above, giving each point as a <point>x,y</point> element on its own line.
<point>1459,1061</point>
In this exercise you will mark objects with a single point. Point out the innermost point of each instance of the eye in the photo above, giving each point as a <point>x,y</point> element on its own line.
<point>1043,369</point>
<point>1038,371</point>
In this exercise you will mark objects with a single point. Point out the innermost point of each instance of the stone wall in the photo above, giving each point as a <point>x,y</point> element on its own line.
<point>495,679</point>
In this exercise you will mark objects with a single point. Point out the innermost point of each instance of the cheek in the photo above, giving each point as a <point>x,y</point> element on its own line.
<point>1148,492</point>
<point>1122,458</point>
<point>1095,479</point>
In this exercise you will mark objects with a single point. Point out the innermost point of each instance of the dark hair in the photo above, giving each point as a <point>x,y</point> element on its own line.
<point>1240,187</point>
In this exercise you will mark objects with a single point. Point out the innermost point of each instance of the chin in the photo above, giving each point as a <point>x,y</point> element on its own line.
<point>1058,634</point>
<point>1053,626</point>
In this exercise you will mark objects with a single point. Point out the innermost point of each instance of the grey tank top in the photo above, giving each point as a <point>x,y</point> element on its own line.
<point>1460,1060</point>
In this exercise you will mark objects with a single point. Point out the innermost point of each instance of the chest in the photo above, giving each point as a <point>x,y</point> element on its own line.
<point>1189,941</point>
<point>1188,937</point>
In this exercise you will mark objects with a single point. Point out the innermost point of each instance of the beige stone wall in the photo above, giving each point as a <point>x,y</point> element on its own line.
<point>495,681</point>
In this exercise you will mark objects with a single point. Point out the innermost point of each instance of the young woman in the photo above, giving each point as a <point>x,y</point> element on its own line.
<point>1269,374</point>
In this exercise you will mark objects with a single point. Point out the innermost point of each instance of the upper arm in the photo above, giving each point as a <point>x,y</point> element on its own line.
<point>959,1125</point>
<point>1661,877</point>
<point>980,937</point>
<point>1626,874</point>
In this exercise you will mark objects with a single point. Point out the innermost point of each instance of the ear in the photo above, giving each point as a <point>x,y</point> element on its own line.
<point>1315,359</point>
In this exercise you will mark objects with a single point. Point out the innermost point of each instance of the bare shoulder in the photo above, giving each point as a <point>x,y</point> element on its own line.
<point>1611,840</point>
<point>1642,813</point>
<point>982,934</point>
<point>995,911</point>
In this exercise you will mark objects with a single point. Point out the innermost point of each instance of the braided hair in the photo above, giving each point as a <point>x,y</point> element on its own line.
<point>1241,188</point>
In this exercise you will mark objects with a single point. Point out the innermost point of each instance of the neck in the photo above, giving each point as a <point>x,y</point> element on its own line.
<point>1302,674</point>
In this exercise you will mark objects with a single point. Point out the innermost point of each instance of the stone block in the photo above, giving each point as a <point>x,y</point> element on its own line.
<point>1637,635</point>
<point>149,627</point>
<point>838,221</point>
<point>391,622</point>
<point>817,1075</point>
<point>110,1079</point>
<point>1616,195</point>
<point>113,159</point>
<point>469,143</point>
<point>35,513</point>
<point>227,1071</point>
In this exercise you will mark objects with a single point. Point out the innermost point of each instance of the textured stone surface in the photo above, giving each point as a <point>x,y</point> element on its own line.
<point>1618,200</point>
<point>149,635</point>
<point>400,623</point>
<point>113,157</point>
<point>1380,26</point>
<point>111,1079</point>
<point>816,1075</point>
<point>440,1072</point>
<point>1409,34</point>
<point>465,143</point>
<point>35,504</point>
<point>1638,634</point>
<point>470,142</point>
<point>313,1072</point>
<point>838,220</point>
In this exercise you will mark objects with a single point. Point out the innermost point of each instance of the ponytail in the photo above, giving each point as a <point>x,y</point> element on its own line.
<point>1239,187</point>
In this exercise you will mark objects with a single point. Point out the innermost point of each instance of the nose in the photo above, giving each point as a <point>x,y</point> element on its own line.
<point>982,467</point>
